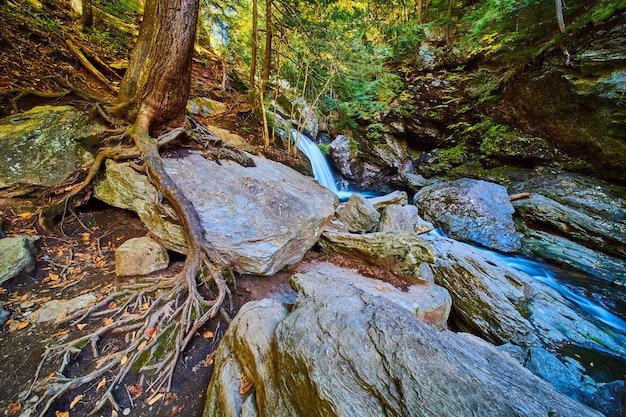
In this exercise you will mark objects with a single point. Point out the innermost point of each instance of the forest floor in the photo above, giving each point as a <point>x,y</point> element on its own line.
<point>77,257</point>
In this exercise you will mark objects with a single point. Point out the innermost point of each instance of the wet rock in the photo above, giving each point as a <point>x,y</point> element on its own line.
<point>359,214</point>
<point>492,297</point>
<point>590,230</point>
<point>343,156</point>
<point>567,252</point>
<point>429,302</point>
<point>231,139</point>
<point>140,256</point>
<point>398,252</point>
<point>41,148</point>
<point>560,376</point>
<point>16,255</point>
<point>472,211</point>
<point>259,218</point>
<point>346,351</point>
<point>610,399</point>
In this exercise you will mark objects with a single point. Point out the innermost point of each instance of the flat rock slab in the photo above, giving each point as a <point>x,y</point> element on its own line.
<point>260,218</point>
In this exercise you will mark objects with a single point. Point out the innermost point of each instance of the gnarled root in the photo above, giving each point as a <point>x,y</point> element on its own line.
<point>159,317</point>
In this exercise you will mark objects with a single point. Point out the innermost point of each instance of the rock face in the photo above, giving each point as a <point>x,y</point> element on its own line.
<point>16,255</point>
<point>399,252</point>
<point>140,256</point>
<point>471,211</point>
<point>343,352</point>
<point>576,221</point>
<point>343,157</point>
<point>260,218</point>
<point>41,148</point>
<point>396,217</point>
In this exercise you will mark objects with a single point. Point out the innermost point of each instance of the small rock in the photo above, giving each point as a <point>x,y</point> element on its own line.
<point>16,255</point>
<point>140,256</point>
<point>397,197</point>
<point>4,315</point>
<point>54,308</point>
<point>359,214</point>
<point>126,411</point>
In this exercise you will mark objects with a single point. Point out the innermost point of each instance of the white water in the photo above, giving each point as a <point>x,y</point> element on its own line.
<point>321,169</point>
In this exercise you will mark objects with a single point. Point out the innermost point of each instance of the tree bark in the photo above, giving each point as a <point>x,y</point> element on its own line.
<point>255,43</point>
<point>86,20</point>
<point>158,78</point>
<point>267,62</point>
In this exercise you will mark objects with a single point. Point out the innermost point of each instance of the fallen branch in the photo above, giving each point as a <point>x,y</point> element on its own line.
<point>520,196</point>
<point>21,93</point>
<point>89,66</point>
<point>89,53</point>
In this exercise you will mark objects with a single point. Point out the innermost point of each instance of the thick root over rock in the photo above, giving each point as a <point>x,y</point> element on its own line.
<point>158,317</point>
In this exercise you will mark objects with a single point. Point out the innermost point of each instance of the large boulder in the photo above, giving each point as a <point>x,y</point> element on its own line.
<point>343,156</point>
<point>472,211</point>
<point>396,217</point>
<point>41,148</point>
<point>260,218</point>
<point>340,351</point>
<point>16,255</point>
<point>400,252</point>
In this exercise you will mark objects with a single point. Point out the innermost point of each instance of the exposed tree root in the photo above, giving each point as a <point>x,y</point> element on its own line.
<point>158,317</point>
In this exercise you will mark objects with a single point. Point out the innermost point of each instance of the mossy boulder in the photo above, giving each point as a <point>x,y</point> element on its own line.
<point>42,147</point>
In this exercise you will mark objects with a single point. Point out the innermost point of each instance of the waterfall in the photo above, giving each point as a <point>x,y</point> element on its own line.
<point>321,169</point>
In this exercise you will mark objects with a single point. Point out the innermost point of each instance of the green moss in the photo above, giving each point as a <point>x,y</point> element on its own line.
<point>323,147</point>
<point>606,9</point>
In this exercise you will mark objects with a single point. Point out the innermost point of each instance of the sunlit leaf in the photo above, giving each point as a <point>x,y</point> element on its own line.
<point>76,400</point>
<point>155,398</point>
<point>108,321</point>
<point>59,334</point>
<point>207,334</point>
<point>124,360</point>
<point>62,414</point>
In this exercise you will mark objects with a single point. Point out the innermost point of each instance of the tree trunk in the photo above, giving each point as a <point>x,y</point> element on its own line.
<point>267,62</point>
<point>158,79</point>
<point>420,9</point>
<point>559,15</point>
<point>255,43</point>
<point>86,20</point>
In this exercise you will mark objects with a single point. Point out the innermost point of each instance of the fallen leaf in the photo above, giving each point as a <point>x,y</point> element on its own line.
<point>155,398</point>
<point>33,318</point>
<point>114,413</point>
<point>245,384</point>
<point>112,305</point>
<point>60,318</point>
<point>25,215</point>
<point>85,236</point>
<point>18,325</point>
<point>142,345</point>
<point>124,360</point>
<point>23,297</point>
<point>3,291</point>
<point>151,332</point>
<point>108,321</point>
<point>76,400</point>
<point>144,307</point>
<point>59,334</point>
<point>62,414</point>
<point>207,334</point>
<point>81,326</point>
<point>13,408</point>
<point>135,390</point>
<point>101,384</point>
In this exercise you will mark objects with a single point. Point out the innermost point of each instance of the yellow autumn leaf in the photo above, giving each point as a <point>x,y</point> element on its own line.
<point>207,334</point>
<point>101,384</point>
<point>60,317</point>
<point>22,324</point>
<point>33,318</point>
<point>76,400</point>
<point>81,326</point>
<point>124,360</point>
<point>155,398</point>
<point>25,215</point>
<point>108,321</point>
<point>142,345</point>
<point>144,307</point>
<point>59,334</point>
<point>62,414</point>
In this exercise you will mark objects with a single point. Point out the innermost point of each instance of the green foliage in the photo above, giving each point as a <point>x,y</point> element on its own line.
<point>606,9</point>
<point>375,131</point>
<point>324,147</point>
<point>125,10</point>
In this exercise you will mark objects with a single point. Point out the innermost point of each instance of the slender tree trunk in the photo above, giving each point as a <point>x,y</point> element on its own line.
<point>420,10</point>
<point>559,15</point>
<point>255,43</point>
<point>267,62</point>
<point>86,20</point>
<point>158,79</point>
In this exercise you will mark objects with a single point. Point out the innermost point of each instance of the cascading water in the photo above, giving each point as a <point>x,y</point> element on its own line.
<point>321,169</point>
